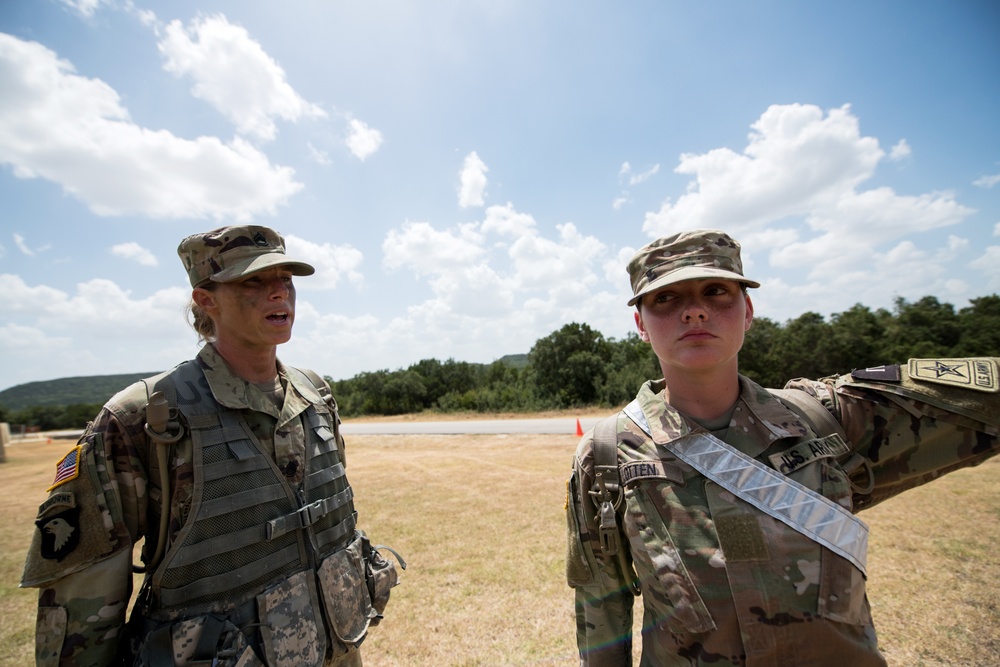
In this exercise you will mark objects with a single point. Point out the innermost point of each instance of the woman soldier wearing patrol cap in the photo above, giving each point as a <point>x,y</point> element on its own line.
<point>730,507</point>
<point>231,467</point>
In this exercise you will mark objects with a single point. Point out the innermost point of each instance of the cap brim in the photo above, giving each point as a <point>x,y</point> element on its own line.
<point>259,263</point>
<point>691,273</point>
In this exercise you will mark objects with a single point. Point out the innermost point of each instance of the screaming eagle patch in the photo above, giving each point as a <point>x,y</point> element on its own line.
<point>59,527</point>
<point>974,373</point>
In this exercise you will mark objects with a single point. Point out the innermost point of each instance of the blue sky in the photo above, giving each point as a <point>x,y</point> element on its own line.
<point>469,176</point>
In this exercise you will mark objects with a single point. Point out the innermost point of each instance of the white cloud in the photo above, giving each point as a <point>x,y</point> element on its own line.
<point>22,246</point>
<point>802,164</point>
<point>98,310</point>
<point>362,140</point>
<point>71,130</point>
<point>134,252</point>
<point>900,151</point>
<point>427,251</point>
<point>987,182</point>
<point>635,179</point>
<point>495,285</point>
<point>332,262</point>
<point>989,264</point>
<point>473,181</point>
<point>233,73</point>
<point>86,8</point>
<point>797,161</point>
<point>543,264</point>
<point>504,220</point>
<point>618,202</point>
<point>319,156</point>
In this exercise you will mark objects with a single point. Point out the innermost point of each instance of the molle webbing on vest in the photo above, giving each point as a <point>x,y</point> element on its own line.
<point>227,551</point>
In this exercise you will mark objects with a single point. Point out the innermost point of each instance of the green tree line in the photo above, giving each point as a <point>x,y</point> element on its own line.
<point>577,366</point>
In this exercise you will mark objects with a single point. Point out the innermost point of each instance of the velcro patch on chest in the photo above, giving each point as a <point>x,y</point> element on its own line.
<point>657,469</point>
<point>973,373</point>
<point>804,453</point>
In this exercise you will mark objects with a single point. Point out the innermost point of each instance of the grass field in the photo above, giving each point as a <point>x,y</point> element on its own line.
<point>480,522</point>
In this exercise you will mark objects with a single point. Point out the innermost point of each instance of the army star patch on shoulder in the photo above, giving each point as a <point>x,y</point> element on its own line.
<point>978,373</point>
<point>68,467</point>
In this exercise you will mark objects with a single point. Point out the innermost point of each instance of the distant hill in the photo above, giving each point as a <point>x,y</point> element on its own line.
<point>99,388</point>
<point>67,391</point>
<point>515,360</point>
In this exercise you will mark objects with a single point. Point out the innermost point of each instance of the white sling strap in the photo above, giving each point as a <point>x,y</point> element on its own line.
<point>799,507</point>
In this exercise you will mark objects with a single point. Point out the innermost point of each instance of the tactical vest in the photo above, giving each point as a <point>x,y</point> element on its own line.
<point>247,529</point>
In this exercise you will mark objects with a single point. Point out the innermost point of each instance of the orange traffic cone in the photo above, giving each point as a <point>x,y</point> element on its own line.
<point>579,429</point>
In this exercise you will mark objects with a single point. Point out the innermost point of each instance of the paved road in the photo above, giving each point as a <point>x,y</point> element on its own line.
<point>469,427</point>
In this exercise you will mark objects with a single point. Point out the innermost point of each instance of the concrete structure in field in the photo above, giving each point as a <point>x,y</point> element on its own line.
<point>4,439</point>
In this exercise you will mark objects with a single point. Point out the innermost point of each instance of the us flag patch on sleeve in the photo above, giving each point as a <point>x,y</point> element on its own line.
<point>68,467</point>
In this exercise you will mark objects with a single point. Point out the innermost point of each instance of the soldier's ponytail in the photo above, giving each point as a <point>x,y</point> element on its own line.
<point>202,324</point>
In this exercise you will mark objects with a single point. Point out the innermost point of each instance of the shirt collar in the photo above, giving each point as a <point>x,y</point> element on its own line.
<point>759,419</point>
<point>234,392</point>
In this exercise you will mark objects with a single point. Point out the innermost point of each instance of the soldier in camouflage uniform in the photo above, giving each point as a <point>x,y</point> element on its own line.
<point>730,507</point>
<point>231,467</point>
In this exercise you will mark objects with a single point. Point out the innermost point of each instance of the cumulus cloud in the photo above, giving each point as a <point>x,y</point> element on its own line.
<point>504,220</point>
<point>134,252</point>
<point>420,247</point>
<point>473,181</point>
<point>900,151</point>
<point>332,262</point>
<point>795,198</point>
<point>100,325</point>
<point>989,264</point>
<point>362,140</point>
<point>232,72</point>
<point>72,130</point>
<point>802,163</point>
<point>500,280</point>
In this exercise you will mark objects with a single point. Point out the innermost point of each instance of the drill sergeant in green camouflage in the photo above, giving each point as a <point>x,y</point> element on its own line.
<point>715,503</point>
<point>257,560</point>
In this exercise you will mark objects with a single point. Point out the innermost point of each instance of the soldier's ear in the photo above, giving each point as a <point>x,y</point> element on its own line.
<point>203,298</point>
<point>641,326</point>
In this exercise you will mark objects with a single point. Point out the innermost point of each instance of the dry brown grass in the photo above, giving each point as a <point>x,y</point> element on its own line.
<point>480,522</point>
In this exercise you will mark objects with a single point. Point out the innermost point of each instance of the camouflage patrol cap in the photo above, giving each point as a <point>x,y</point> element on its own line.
<point>229,253</point>
<point>701,253</point>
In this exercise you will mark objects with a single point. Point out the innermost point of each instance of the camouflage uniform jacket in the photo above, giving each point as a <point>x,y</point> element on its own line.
<point>722,583</point>
<point>106,497</point>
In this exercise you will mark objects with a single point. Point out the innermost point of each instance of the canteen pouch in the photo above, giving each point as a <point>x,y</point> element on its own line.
<point>345,593</point>
<point>292,634</point>
<point>380,575</point>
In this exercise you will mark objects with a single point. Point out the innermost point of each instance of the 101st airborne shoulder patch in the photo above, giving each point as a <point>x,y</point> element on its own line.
<point>972,373</point>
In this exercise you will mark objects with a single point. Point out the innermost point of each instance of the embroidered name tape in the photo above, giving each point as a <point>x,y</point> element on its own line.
<point>635,470</point>
<point>805,453</point>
